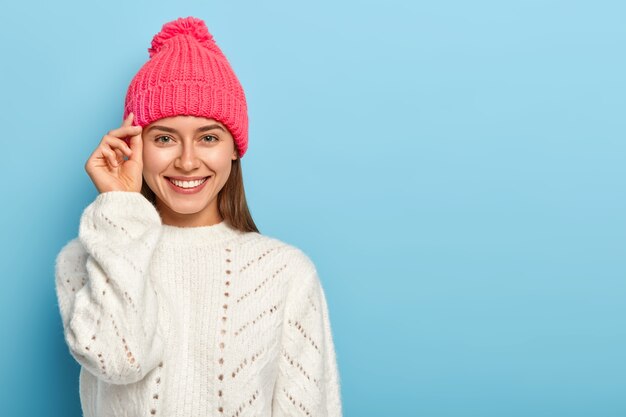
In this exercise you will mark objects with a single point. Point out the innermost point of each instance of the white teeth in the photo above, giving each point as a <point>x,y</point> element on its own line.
<point>187,184</point>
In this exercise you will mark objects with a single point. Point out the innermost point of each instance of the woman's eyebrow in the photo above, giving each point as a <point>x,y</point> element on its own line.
<point>171,130</point>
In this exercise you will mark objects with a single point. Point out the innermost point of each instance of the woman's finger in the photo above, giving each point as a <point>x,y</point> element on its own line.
<point>122,132</point>
<point>110,156</point>
<point>128,120</point>
<point>136,145</point>
<point>116,143</point>
<point>119,155</point>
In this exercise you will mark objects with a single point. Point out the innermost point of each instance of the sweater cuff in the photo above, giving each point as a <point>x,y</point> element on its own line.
<point>119,215</point>
<point>131,201</point>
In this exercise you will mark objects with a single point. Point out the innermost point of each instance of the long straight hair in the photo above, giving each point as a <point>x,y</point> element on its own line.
<point>231,200</point>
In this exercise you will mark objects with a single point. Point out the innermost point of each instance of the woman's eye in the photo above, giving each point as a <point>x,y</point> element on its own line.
<point>157,139</point>
<point>166,139</point>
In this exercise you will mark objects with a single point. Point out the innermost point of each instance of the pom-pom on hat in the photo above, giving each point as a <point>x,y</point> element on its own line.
<point>187,74</point>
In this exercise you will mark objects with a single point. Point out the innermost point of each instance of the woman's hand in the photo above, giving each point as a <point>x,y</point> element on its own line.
<point>106,166</point>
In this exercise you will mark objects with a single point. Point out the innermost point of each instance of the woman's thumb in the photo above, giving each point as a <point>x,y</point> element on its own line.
<point>128,121</point>
<point>136,146</point>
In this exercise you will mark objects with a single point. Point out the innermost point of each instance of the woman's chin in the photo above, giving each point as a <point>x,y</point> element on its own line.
<point>190,207</point>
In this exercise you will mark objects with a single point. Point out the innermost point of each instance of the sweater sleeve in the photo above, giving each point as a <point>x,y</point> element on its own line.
<point>108,304</point>
<point>308,378</point>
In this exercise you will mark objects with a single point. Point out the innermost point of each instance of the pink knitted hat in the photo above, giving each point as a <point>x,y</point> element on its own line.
<point>187,74</point>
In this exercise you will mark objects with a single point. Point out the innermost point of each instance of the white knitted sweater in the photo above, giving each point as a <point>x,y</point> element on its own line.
<point>200,321</point>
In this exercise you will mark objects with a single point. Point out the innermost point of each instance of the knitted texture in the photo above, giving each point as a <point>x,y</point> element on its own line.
<point>200,321</point>
<point>187,74</point>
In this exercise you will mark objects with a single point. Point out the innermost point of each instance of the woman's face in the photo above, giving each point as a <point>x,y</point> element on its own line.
<point>187,147</point>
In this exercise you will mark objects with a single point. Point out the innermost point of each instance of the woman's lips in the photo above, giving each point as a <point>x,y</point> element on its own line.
<point>192,190</point>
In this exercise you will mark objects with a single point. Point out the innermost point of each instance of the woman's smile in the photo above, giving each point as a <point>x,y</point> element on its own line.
<point>187,187</point>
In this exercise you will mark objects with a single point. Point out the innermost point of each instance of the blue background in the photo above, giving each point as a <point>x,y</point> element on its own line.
<point>455,169</point>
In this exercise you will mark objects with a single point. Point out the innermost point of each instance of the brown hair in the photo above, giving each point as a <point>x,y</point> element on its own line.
<point>231,200</point>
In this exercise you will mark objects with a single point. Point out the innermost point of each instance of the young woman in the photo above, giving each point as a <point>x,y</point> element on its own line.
<point>171,300</point>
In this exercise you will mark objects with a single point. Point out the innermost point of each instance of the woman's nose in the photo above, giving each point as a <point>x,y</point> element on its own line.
<point>188,159</point>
